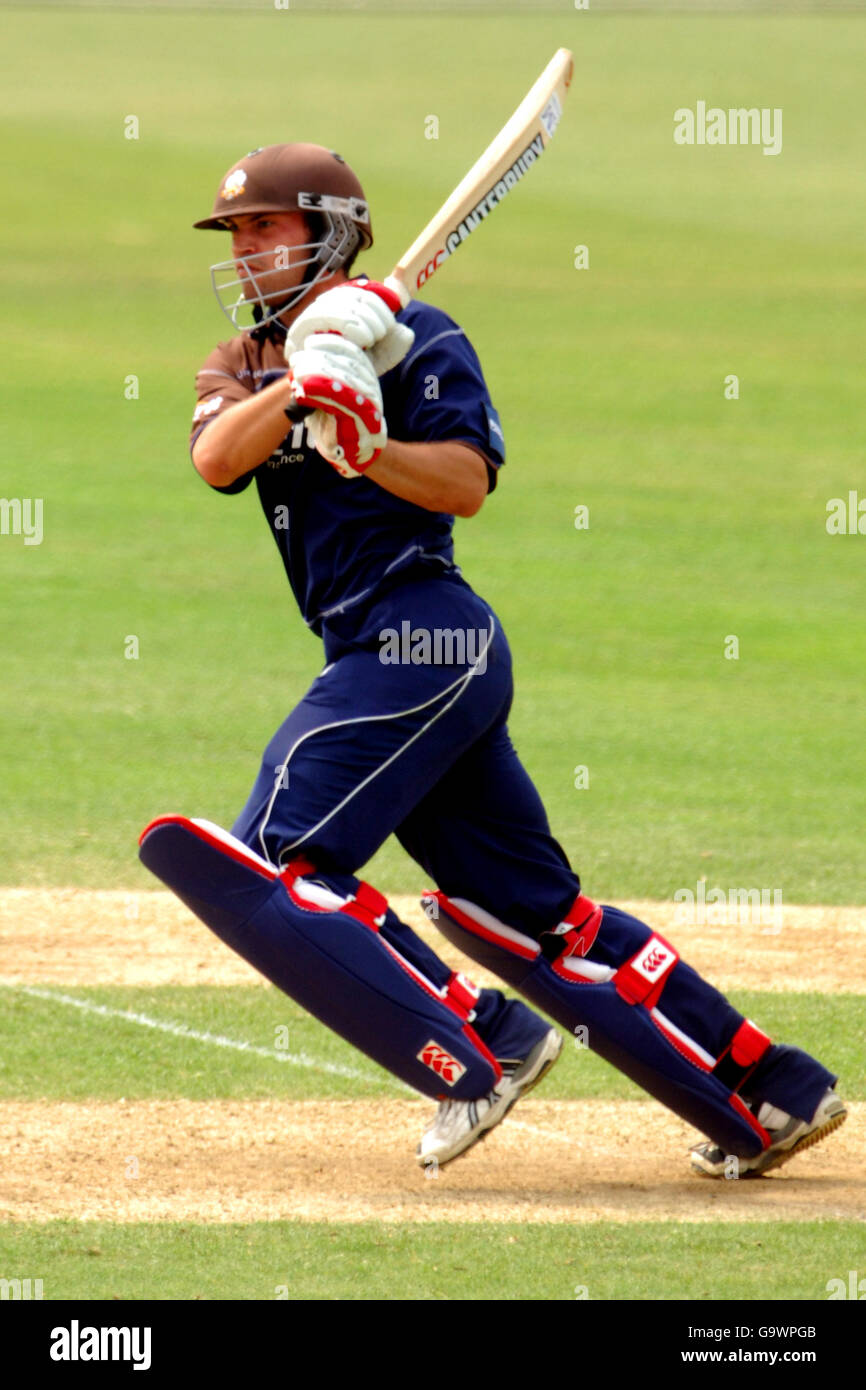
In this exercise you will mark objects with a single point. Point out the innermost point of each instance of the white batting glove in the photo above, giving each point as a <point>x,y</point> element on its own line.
<point>362,311</point>
<point>335,378</point>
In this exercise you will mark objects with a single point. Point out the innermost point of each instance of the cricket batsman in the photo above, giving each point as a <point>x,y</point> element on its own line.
<point>405,732</point>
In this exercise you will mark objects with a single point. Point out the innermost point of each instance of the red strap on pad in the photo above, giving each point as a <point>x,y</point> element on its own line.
<point>584,917</point>
<point>462,996</point>
<point>296,868</point>
<point>748,1044</point>
<point>367,906</point>
<point>642,979</point>
<point>739,1059</point>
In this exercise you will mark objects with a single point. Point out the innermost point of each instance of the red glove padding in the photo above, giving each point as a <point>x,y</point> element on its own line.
<point>337,380</point>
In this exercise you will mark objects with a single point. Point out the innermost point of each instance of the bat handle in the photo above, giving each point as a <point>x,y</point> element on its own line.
<point>394,282</point>
<point>297,412</point>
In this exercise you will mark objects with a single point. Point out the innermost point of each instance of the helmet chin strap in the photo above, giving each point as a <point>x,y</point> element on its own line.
<point>274,328</point>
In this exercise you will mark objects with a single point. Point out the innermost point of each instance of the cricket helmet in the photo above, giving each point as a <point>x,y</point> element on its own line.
<point>288,178</point>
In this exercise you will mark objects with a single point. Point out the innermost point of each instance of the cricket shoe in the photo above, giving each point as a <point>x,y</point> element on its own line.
<point>789,1136</point>
<point>461,1123</point>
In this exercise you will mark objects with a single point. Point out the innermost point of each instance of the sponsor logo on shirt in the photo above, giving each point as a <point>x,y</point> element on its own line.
<point>300,445</point>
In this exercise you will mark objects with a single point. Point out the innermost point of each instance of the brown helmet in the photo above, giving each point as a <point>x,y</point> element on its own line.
<point>290,178</point>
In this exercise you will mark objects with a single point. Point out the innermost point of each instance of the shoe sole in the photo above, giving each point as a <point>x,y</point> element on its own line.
<point>776,1160</point>
<point>804,1142</point>
<point>539,1062</point>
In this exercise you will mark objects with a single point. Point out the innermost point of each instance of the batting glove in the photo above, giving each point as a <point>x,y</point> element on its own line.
<point>362,311</point>
<point>334,378</point>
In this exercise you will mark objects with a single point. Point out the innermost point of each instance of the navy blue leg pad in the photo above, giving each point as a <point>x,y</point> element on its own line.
<point>624,1035</point>
<point>335,966</point>
<point>628,1035</point>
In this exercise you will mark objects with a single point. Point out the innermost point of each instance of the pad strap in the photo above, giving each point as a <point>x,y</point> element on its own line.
<point>462,996</point>
<point>741,1056</point>
<point>576,932</point>
<point>367,906</point>
<point>297,868</point>
<point>642,979</point>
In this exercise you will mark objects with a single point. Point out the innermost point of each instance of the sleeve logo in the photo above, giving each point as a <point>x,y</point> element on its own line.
<point>206,408</point>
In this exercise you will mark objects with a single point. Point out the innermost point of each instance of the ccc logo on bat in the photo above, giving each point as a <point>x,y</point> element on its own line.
<point>440,1061</point>
<point>432,265</point>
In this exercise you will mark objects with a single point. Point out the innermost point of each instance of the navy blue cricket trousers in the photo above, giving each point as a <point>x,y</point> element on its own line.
<point>416,749</point>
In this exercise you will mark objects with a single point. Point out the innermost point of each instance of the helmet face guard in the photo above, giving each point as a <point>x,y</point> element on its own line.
<point>320,259</point>
<point>287,178</point>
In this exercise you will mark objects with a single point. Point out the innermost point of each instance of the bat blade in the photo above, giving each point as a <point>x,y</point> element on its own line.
<point>508,157</point>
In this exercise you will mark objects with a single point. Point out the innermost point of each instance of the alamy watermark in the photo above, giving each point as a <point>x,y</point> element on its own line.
<point>77,1343</point>
<point>438,646</point>
<point>736,907</point>
<point>22,516</point>
<point>854,1287</point>
<point>846,516</point>
<point>22,1289</point>
<point>738,125</point>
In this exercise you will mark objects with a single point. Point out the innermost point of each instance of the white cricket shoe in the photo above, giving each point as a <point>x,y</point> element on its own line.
<point>789,1134</point>
<point>461,1123</point>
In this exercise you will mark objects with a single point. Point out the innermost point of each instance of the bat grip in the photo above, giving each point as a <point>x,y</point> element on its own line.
<point>394,282</point>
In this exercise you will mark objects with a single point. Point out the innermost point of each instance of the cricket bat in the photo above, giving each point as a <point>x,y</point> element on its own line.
<point>509,156</point>
<point>507,159</point>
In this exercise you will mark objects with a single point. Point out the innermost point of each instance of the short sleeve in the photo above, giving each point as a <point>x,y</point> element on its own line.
<point>218,386</point>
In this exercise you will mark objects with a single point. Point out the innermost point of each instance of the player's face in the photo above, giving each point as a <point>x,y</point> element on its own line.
<point>265,250</point>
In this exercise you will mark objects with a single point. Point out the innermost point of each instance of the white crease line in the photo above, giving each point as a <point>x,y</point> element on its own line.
<point>542,1133</point>
<point>180,1030</point>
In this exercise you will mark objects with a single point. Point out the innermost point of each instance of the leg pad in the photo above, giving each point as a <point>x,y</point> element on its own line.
<point>325,950</point>
<point>641,1005</point>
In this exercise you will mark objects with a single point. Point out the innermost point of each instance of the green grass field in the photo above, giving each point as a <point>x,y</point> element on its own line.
<point>53,1049</point>
<point>301,1260</point>
<point>706,521</point>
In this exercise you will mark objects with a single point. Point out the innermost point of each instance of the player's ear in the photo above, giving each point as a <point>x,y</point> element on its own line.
<point>316,227</point>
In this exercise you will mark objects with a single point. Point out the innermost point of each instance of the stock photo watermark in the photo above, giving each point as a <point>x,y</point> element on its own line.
<point>852,1288</point>
<point>438,646</point>
<point>21,1290</point>
<point>736,125</point>
<point>77,1343</point>
<point>704,906</point>
<point>22,516</point>
<point>846,516</point>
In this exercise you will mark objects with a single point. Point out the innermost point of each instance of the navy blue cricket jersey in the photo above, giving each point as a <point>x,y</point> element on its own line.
<point>342,540</point>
